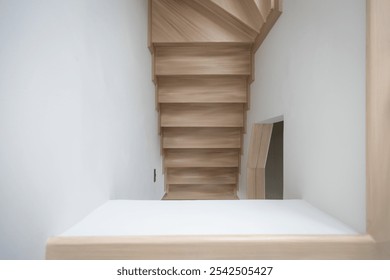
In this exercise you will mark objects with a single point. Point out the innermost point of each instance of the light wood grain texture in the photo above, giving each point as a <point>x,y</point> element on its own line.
<point>215,59</point>
<point>202,89</point>
<point>184,21</point>
<point>260,183</point>
<point>194,176</point>
<point>257,158</point>
<point>266,132</point>
<point>211,247</point>
<point>245,11</point>
<point>201,138</point>
<point>250,183</point>
<point>264,7</point>
<point>382,250</point>
<point>378,117</point>
<point>204,192</point>
<point>254,146</point>
<point>273,16</point>
<point>230,19</point>
<point>202,115</point>
<point>201,158</point>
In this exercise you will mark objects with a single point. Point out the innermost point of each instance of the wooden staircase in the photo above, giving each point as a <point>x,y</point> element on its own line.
<point>203,54</point>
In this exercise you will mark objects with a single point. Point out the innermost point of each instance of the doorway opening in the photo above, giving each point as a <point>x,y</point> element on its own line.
<point>274,165</point>
<point>265,161</point>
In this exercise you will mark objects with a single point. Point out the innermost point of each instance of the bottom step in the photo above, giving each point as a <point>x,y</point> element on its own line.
<point>201,192</point>
<point>202,176</point>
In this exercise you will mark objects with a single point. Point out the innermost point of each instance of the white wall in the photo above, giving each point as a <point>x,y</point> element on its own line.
<point>77,118</point>
<point>311,70</point>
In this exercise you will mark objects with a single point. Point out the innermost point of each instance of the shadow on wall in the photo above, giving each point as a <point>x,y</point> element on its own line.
<point>274,166</point>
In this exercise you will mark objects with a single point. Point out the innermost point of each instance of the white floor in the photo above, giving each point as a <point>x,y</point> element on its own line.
<point>144,217</point>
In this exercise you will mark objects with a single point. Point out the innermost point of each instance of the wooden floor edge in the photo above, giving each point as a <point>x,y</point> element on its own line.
<point>214,247</point>
<point>72,240</point>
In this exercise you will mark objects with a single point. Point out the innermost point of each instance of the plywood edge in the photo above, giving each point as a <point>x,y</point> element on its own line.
<point>212,247</point>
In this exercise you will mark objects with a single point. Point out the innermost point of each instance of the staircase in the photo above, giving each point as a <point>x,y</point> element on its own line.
<point>203,54</point>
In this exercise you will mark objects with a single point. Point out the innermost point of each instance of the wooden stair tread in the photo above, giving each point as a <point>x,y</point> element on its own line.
<point>201,158</point>
<point>199,60</point>
<point>203,89</point>
<point>181,21</point>
<point>209,175</point>
<point>202,115</point>
<point>201,138</point>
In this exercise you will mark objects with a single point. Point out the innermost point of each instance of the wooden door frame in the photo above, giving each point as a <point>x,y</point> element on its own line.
<point>257,158</point>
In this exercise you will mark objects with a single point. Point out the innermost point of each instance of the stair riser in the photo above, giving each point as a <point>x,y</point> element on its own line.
<point>201,176</point>
<point>201,158</point>
<point>201,192</point>
<point>202,90</point>
<point>204,189</point>
<point>202,115</point>
<point>203,60</point>
<point>200,138</point>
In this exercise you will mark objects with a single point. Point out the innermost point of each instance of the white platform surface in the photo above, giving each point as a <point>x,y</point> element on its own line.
<point>236,217</point>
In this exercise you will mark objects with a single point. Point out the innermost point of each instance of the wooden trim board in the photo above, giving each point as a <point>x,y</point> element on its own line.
<point>377,119</point>
<point>273,16</point>
<point>212,247</point>
<point>257,158</point>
